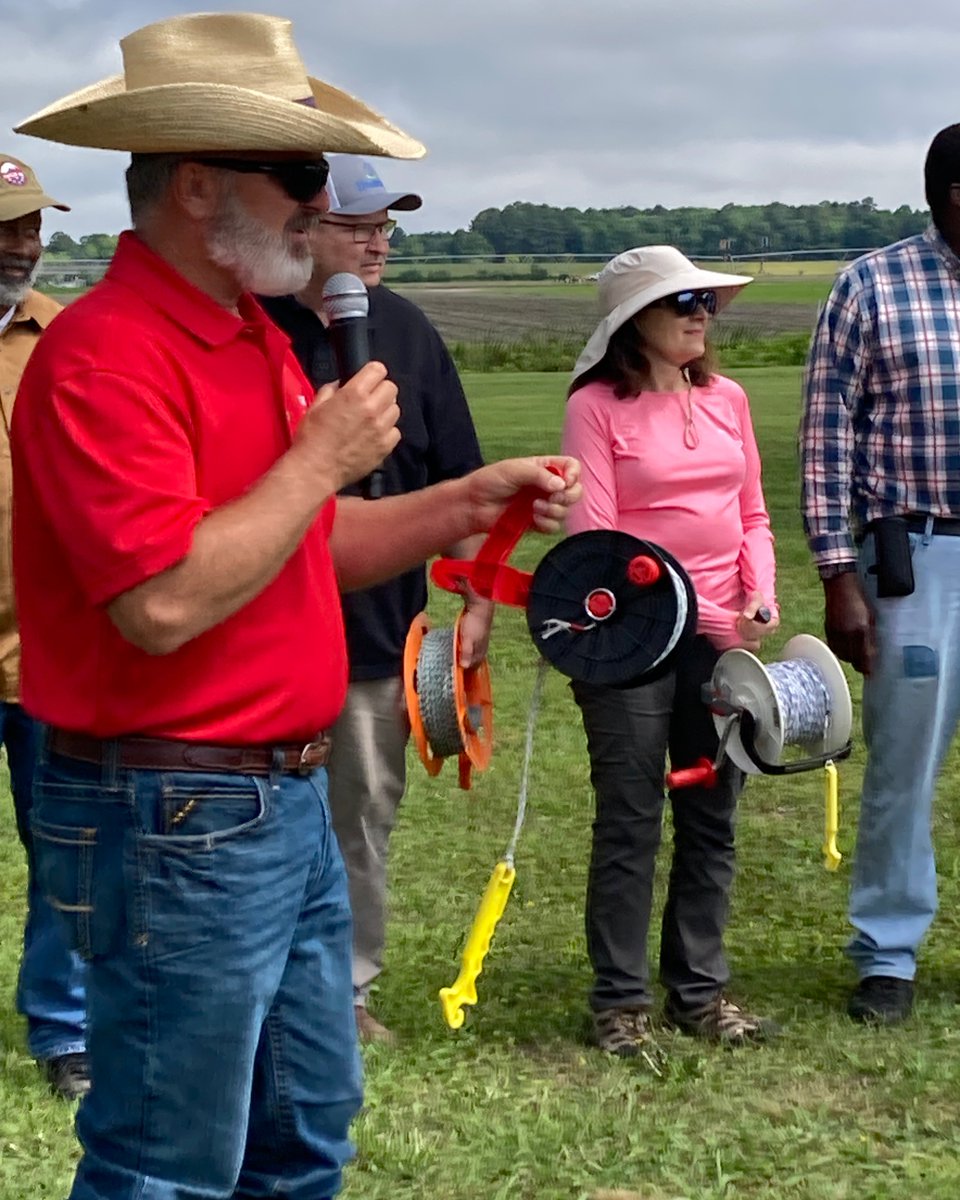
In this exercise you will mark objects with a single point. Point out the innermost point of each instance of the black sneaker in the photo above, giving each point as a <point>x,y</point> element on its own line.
<point>881,1000</point>
<point>626,1033</point>
<point>720,1020</point>
<point>68,1075</point>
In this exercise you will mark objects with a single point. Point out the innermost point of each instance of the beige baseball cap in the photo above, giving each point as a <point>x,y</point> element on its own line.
<point>20,191</point>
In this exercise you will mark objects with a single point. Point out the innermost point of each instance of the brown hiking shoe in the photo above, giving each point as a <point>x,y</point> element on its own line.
<point>626,1033</point>
<point>720,1020</point>
<point>370,1030</point>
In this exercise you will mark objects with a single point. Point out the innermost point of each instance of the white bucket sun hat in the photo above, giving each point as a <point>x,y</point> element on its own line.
<point>214,82</point>
<point>638,277</point>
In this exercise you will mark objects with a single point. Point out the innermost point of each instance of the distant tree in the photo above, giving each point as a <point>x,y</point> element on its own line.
<point>411,245</point>
<point>97,245</point>
<point>540,229</point>
<point>466,241</point>
<point>63,245</point>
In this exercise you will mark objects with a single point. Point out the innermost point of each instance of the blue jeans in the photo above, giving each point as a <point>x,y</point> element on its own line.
<point>214,915</point>
<point>50,985</point>
<point>911,705</point>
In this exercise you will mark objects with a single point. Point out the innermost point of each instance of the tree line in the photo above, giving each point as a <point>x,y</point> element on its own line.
<point>540,229</point>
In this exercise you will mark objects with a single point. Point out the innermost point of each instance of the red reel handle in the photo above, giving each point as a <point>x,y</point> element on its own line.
<point>702,774</point>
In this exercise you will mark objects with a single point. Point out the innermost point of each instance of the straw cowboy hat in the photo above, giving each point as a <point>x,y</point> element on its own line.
<point>635,278</point>
<point>213,82</point>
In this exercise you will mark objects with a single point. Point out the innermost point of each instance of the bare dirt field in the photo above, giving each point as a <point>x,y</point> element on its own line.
<point>478,314</point>
<point>508,314</point>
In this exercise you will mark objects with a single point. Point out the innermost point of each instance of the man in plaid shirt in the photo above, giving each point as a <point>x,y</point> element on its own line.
<point>880,444</point>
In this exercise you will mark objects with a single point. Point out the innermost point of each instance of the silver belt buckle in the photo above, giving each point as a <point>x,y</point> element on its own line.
<point>313,755</point>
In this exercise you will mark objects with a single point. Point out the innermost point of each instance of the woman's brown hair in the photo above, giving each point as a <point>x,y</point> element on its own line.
<point>626,367</point>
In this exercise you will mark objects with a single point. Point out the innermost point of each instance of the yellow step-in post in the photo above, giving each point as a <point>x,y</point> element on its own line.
<point>832,857</point>
<point>464,990</point>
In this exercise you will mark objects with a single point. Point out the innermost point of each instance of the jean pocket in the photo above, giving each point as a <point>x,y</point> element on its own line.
<point>64,865</point>
<point>198,812</point>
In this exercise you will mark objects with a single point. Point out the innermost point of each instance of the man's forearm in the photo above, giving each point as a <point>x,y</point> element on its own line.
<point>373,541</point>
<point>237,550</point>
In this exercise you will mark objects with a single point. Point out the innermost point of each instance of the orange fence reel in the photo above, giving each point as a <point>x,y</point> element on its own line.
<point>450,706</point>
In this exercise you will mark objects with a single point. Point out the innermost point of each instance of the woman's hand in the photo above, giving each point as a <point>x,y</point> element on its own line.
<point>756,621</point>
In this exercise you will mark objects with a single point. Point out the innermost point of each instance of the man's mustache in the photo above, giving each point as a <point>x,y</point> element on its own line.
<point>9,263</point>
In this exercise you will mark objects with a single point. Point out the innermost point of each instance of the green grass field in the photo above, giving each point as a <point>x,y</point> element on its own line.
<point>516,1105</point>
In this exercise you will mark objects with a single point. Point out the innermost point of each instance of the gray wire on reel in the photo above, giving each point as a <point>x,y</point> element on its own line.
<point>435,686</point>
<point>803,699</point>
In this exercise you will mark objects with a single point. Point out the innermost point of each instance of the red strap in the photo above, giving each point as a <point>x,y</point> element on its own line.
<point>488,574</point>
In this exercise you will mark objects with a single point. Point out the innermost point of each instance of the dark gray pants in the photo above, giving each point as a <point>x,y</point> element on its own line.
<point>629,733</point>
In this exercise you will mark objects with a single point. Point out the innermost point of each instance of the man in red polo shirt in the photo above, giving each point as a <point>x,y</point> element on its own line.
<point>178,553</point>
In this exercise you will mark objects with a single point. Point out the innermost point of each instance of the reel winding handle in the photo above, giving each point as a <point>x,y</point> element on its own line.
<point>702,774</point>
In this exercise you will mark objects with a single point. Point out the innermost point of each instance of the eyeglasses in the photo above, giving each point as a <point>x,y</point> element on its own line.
<point>363,233</point>
<point>685,304</point>
<point>302,181</point>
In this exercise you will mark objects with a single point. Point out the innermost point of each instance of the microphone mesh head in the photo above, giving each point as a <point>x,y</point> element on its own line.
<point>344,296</point>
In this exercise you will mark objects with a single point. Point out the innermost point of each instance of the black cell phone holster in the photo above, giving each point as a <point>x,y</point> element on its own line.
<point>894,569</point>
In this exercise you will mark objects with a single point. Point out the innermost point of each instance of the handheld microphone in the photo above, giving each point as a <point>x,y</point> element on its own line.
<point>346,304</point>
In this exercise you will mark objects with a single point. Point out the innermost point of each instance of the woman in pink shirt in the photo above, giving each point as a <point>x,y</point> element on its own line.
<point>668,454</point>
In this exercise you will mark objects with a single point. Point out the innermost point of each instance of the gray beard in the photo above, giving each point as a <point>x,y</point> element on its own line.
<point>260,259</point>
<point>15,291</point>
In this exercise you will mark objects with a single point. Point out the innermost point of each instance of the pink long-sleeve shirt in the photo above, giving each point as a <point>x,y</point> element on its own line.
<point>704,505</point>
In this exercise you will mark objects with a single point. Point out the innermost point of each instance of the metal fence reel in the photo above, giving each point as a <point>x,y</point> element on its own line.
<point>803,700</point>
<point>759,711</point>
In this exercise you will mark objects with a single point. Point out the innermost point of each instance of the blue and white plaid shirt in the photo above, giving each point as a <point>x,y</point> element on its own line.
<point>880,433</point>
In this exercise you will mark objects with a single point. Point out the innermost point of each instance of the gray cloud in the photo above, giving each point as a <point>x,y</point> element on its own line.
<point>586,104</point>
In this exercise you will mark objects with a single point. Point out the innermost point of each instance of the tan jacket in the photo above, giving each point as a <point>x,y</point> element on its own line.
<point>17,341</point>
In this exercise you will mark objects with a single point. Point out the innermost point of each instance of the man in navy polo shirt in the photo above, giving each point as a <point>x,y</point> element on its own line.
<point>438,442</point>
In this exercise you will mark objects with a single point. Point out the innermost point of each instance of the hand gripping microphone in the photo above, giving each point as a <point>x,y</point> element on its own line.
<point>345,304</point>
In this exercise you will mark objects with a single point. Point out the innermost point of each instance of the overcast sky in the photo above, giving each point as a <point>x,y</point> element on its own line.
<point>592,104</point>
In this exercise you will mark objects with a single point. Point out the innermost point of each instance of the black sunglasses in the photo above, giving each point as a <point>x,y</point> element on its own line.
<point>302,181</point>
<point>685,304</point>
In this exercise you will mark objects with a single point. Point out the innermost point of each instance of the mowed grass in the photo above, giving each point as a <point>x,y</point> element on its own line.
<point>773,289</point>
<point>516,1105</point>
<point>797,288</point>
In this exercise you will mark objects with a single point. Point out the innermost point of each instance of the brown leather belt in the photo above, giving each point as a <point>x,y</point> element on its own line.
<point>162,754</point>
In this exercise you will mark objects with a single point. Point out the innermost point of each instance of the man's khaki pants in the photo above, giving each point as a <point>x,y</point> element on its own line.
<point>367,773</point>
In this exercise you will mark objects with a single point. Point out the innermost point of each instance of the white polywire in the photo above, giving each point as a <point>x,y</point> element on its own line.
<point>803,698</point>
<point>680,592</point>
<point>527,756</point>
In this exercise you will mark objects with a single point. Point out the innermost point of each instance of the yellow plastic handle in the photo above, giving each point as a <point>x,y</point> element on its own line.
<point>832,857</point>
<point>464,991</point>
